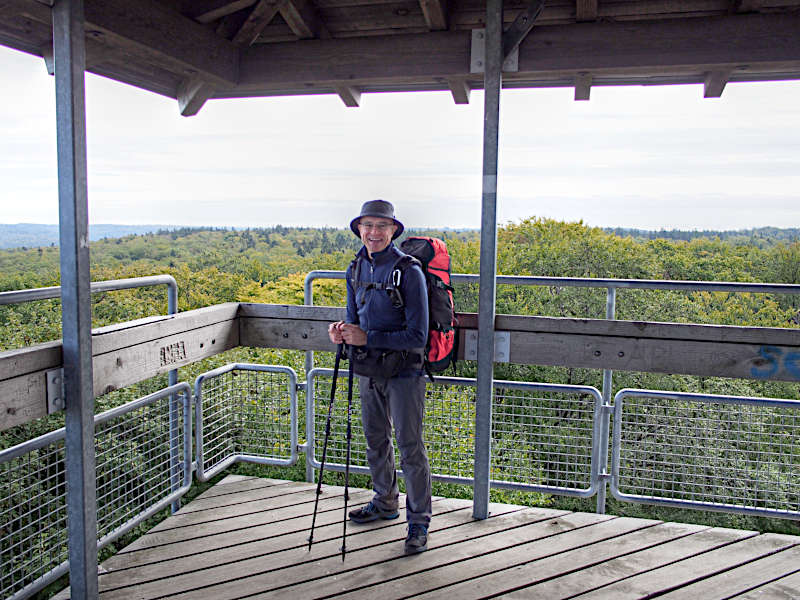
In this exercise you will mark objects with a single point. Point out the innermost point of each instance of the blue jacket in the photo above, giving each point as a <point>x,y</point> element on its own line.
<point>387,327</point>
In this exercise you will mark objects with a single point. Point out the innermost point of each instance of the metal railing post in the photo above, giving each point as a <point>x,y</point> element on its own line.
<point>70,61</point>
<point>604,415</point>
<point>488,266</point>
<point>308,300</point>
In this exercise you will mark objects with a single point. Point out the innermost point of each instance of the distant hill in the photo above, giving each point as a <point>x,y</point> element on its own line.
<point>760,236</point>
<point>32,235</point>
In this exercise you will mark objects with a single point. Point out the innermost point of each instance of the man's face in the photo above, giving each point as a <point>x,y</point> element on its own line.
<point>376,233</point>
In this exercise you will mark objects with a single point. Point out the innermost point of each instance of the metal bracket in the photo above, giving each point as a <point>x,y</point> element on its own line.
<point>521,26</point>
<point>55,391</point>
<point>478,54</point>
<point>502,345</point>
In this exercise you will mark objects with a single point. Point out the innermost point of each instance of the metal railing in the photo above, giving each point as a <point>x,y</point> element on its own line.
<point>544,436</point>
<point>245,412</point>
<point>611,286</point>
<point>136,447</point>
<point>724,453</point>
<point>31,295</point>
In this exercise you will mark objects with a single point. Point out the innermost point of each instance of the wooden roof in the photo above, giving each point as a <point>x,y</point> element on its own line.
<point>193,50</point>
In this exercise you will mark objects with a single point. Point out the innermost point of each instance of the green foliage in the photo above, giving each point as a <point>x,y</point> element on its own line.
<point>269,266</point>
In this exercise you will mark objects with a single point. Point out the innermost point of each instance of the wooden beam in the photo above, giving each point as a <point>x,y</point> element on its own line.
<point>743,6</point>
<point>122,355</point>
<point>583,86</point>
<point>259,17</point>
<point>460,89</point>
<point>206,11</point>
<point>303,19</point>
<point>49,62</point>
<point>715,83</point>
<point>192,95</point>
<point>148,30</point>
<point>350,95</point>
<point>435,13</point>
<point>130,352</point>
<point>585,10</point>
<point>622,51</point>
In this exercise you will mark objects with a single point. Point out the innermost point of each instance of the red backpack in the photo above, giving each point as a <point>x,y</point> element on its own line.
<point>440,350</point>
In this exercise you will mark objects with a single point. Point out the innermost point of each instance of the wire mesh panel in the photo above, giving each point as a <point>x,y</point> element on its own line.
<point>143,464</point>
<point>246,413</point>
<point>542,434</point>
<point>543,437</point>
<point>712,452</point>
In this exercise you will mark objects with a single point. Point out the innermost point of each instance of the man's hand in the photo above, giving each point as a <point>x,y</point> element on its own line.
<point>335,332</point>
<point>353,334</point>
<point>348,333</point>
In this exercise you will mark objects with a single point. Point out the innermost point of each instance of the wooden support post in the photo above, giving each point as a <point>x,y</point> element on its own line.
<point>715,83</point>
<point>70,61</point>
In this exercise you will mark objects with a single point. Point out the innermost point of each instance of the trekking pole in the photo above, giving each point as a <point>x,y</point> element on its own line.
<point>347,459</point>
<point>339,351</point>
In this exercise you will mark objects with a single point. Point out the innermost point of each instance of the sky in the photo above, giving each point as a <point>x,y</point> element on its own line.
<point>644,157</point>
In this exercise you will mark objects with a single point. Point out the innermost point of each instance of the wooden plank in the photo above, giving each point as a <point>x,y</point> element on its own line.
<point>744,578</point>
<point>435,13</point>
<point>456,549</point>
<point>123,354</point>
<point>511,567</point>
<point>147,569</point>
<point>688,570</point>
<point>741,361</point>
<point>600,574</point>
<point>23,399</point>
<point>121,368</point>
<point>259,17</point>
<point>785,588</point>
<point>148,29</point>
<point>508,570</point>
<point>273,555</point>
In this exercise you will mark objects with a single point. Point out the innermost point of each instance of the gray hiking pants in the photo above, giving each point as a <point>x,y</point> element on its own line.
<point>400,400</point>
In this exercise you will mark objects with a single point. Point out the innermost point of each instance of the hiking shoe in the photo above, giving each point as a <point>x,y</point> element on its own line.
<point>417,538</point>
<point>370,512</point>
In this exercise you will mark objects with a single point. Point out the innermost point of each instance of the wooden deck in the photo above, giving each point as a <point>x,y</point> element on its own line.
<point>247,538</point>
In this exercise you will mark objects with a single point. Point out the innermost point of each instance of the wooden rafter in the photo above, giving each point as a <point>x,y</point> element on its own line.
<point>257,20</point>
<point>435,12</point>
<point>206,11</point>
<point>619,51</point>
<point>715,83</point>
<point>303,19</point>
<point>583,86</point>
<point>350,95</point>
<point>192,95</point>
<point>460,89</point>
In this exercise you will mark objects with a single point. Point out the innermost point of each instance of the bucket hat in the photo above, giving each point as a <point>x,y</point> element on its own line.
<point>377,208</point>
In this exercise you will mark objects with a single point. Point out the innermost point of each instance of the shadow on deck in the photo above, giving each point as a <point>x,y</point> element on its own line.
<point>247,538</point>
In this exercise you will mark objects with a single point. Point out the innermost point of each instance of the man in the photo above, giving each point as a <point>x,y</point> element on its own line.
<point>377,324</point>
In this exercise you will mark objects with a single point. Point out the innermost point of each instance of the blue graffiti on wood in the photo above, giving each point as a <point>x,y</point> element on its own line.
<point>772,360</point>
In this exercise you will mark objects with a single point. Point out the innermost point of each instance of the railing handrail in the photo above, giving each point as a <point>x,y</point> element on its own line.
<point>45,293</point>
<point>591,282</point>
